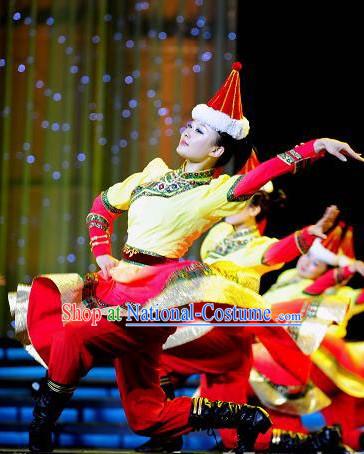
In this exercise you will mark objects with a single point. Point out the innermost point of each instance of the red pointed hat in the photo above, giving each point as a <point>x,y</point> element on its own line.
<point>333,240</point>
<point>224,111</point>
<point>251,164</point>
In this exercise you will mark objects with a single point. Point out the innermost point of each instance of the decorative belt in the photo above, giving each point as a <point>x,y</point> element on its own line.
<point>135,255</point>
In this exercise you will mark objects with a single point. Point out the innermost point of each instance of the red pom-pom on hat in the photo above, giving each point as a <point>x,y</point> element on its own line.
<point>237,66</point>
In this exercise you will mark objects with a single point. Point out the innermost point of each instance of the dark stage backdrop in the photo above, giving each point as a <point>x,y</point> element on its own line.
<point>303,79</point>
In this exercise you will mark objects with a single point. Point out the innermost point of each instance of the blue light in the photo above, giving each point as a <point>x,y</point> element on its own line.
<point>129,44</point>
<point>69,50</point>
<point>56,175</point>
<point>81,157</point>
<point>27,20</point>
<point>128,80</point>
<point>102,141</point>
<point>45,124</point>
<point>196,68</point>
<point>232,36</point>
<point>195,31</point>
<point>71,258</point>
<point>85,80</point>
<point>134,135</point>
<point>50,21</point>
<point>123,143</point>
<point>163,111</point>
<point>151,93</point>
<point>74,69</point>
<point>96,39</point>
<point>55,126</point>
<point>133,103</point>
<point>39,84</point>
<point>2,62</point>
<point>206,56</point>
<point>201,21</point>
<point>118,36</point>
<point>61,39</point>
<point>162,35</point>
<point>180,19</point>
<point>16,16</point>
<point>30,159</point>
<point>206,35</point>
<point>81,240</point>
<point>21,68</point>
<point>106,78</point>
<point>57,97</point>
<point>126,113</point>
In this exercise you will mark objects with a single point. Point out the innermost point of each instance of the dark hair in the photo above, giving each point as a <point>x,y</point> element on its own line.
<point>232,148</point>
<point>267,201</point>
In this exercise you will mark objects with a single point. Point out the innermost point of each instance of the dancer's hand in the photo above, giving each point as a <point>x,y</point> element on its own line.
<point>357,267</point>
<point>336,148</point>
<point>106,263</point>
<point>325,223</point>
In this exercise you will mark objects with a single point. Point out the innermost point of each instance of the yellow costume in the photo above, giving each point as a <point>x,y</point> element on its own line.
<point>240,251</point>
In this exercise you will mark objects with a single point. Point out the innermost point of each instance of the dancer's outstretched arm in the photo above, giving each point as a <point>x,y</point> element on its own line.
<point>299,242</point>
<point>289,161</point>
<point>334,277</point>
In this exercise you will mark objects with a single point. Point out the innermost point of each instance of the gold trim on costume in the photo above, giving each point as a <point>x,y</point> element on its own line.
<point>345,380</point>
<point>278,397</point>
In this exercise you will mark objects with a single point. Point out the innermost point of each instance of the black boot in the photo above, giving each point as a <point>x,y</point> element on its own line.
<point>49,404</point>
<point>248,420</point>
<point>327,441</point>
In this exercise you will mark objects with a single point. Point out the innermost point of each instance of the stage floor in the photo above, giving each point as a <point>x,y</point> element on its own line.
<point>86,451</point>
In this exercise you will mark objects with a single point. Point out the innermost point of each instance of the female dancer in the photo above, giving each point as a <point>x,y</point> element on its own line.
<point>167,211</point>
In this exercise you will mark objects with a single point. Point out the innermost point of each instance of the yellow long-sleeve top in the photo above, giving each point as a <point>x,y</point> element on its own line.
<point>168,209</point>
<point>241,250</point>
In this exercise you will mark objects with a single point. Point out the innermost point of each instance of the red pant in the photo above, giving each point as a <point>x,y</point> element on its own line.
<point>76,347</point>
<point>223,356</point>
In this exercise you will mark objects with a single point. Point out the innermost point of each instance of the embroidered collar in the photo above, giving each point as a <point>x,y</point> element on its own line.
<point>172,183</point>
<point>200,175</point>
<point>253,231</point>
<point>234,241</point>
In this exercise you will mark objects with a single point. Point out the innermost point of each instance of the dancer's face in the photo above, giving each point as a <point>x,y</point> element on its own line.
<point>309,267</point>
<point>198,142</point>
